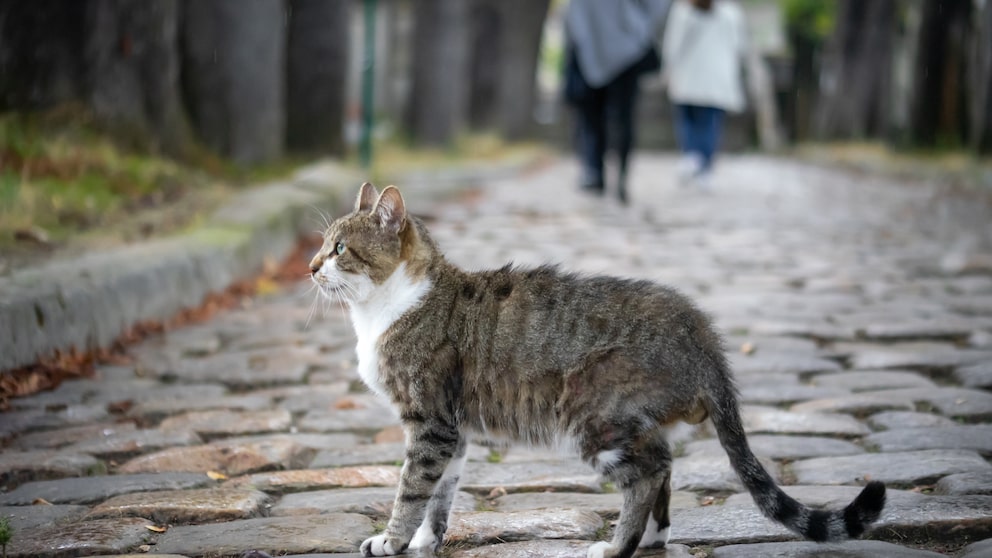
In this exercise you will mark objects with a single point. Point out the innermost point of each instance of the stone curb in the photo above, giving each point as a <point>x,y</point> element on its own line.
<point>89,301</point>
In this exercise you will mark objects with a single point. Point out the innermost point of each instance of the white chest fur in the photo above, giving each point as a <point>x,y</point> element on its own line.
<point>380,310</point>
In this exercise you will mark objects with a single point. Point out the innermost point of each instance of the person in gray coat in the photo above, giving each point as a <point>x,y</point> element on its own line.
<point>610,44</point>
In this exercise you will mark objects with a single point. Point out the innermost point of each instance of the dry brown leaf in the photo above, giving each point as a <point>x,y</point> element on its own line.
<point>346,404</point>
<point>265,286</point>
<point>156,528</point>
<point>40,502</point>
<point>215,475</point>
<point>36,235</point>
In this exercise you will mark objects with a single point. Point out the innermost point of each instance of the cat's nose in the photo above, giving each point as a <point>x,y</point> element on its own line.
<point>314,268</point>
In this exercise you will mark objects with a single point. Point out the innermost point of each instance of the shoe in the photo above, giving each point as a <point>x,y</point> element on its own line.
<point>592,188</point>
<point>704,181</point>
<point>689,166</point>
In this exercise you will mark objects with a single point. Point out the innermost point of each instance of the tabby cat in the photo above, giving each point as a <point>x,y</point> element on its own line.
<point>600,364</point>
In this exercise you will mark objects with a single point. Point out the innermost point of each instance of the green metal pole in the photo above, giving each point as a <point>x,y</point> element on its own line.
<point>368,84</point>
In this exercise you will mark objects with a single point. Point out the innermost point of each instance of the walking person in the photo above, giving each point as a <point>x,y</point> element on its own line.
<point>610,45</point>
<point>704,46</point>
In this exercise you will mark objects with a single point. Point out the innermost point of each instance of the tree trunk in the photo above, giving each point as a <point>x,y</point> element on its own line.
<point>980,86</point>
<point>937,106</point>
<point>856,68</point>
<point>317,67</point>
<point>484,68</point>
<point>805,70</point>
<point>41,45</point>
<point>234,75</point>
<point>132,70</point>
<point>439,92</point>
<point>522,28</point>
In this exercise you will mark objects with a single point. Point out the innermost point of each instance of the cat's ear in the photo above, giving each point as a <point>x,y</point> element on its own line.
<point>390,209</point>
<point>366,197</point>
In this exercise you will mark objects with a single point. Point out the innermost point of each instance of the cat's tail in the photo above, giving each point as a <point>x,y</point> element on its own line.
<point>815,525</point>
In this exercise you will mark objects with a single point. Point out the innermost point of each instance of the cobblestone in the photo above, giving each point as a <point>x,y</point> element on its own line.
<point>857,313</point>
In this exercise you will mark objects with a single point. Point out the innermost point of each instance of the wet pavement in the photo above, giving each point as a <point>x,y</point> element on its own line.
<point>857,312</point>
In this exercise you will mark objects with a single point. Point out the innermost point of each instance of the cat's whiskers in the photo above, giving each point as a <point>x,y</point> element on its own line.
<point>323,216</point>
<point>315,289</point>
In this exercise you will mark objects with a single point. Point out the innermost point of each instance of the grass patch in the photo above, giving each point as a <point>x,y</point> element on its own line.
<point>65,184</point>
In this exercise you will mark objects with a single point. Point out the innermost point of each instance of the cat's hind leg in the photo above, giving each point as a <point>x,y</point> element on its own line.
<point>430,534</point>
<point>643,476</point>
<point>657,531</point>
<point>638,498</point>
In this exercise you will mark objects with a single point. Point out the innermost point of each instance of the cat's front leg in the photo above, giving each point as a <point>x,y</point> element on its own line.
<point>430,534</point>
<point>431,445</point>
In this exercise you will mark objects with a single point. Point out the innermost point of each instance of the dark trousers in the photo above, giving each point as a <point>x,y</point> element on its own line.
<point>698,130</point>
<point>606,118</point>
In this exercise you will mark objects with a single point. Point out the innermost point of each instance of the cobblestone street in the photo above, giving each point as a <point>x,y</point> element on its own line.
<point>857,312</point>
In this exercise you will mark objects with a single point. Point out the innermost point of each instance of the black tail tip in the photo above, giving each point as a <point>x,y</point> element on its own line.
<point>865,509</point>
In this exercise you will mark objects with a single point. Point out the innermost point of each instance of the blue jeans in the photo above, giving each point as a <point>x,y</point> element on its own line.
<point>698,130</point>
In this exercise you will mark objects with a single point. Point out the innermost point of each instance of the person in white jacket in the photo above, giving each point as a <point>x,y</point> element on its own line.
<point>703,49</point>
<point>610,45</point>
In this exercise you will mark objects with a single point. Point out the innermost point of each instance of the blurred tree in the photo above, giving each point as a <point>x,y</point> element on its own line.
<point>41,45</point>
<point>119,57</point>
<point>438,105</point>
<point>855,79</point>
<point>234,75</point>
<point>485,63</point>
<point>808,24</point>
<point>980,83</point>
<point>505,48</point>
<point>132,69</point>
<point>937,104</point>
<point>317,65</point>
<point>520,45</point>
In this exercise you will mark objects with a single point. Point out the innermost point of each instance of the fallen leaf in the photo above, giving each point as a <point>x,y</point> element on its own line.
<point>40,502</point>
<point>266,286</point>
<point>497,492</point>
<point>119,407</point>
<point>707,501</point>
<point>156,528</point>
<point>145,548</point>
<point>346,403</point>
<point>37,235</point>
<point>216,475</point>
<point>748,348</point>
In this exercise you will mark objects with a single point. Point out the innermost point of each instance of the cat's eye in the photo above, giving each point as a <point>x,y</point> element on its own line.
<point>339,248</point>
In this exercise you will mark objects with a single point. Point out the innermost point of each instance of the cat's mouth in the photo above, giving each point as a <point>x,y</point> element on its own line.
<point>329,289</point>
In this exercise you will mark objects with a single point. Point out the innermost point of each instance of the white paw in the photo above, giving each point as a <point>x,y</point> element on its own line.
<point>602,549</point>
<point>378,545</point>
<point>424,538</point>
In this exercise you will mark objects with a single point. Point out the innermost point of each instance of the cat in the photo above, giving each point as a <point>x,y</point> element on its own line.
<point>538,356</point>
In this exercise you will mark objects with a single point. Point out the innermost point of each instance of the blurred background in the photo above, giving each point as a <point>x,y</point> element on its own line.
<point>121,119</point>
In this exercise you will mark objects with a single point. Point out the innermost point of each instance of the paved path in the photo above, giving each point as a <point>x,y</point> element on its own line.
<point>858,314</point>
